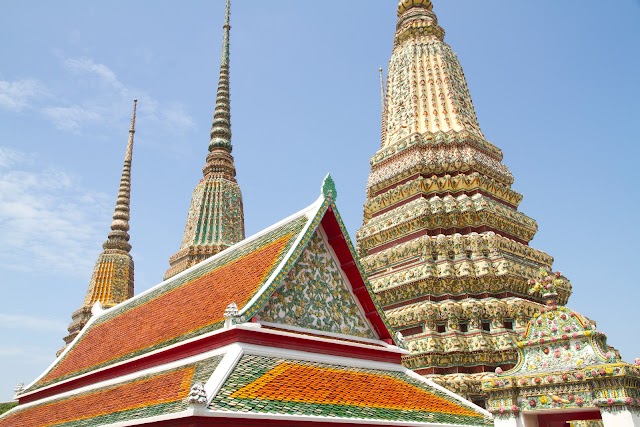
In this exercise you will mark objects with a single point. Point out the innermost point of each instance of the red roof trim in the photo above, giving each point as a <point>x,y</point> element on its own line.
<point>339,244</point>
<point>262,337</point>
<point>251,422</point>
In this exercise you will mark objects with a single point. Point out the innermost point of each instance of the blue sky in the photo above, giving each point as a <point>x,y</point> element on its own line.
<point>554,85</point>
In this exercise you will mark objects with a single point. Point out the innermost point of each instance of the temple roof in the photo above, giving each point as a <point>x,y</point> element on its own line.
<point>157,392</point>
<point>283,385</point>
<point>241,381</point>
<point>193,303</point>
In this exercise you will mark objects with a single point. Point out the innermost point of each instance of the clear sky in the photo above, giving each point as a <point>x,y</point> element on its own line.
<point>554,84</point>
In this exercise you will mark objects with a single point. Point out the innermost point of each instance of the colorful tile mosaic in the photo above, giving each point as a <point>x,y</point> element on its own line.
<point>441,221</point>
<point>314,295</point>
<point>180,309</point>
<point>563,363</point>
<point>151,395</point>
<point>277,386</point>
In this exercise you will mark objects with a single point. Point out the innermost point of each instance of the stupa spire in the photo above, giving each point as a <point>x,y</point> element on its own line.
<point>221,126</point>
<point>119,235</point>
<point>112,279</point>
<point>216,216</point>
<point>383,109</point>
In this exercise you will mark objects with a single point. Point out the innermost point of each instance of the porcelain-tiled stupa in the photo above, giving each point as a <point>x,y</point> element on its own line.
<point>112,279</point>
<point>216,216</point>
<point>443,242</point>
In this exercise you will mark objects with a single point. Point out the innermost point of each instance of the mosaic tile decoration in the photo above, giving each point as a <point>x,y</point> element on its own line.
<point>441,221</point>
<point>315,296</point>
<point>183,308</point>
<point>152,395</point>
<point>277,386</point>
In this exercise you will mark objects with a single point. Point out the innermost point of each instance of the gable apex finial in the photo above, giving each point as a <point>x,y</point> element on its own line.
<point>329,188</point>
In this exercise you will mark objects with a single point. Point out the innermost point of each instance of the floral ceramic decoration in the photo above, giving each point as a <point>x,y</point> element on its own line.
<point>315,296</point>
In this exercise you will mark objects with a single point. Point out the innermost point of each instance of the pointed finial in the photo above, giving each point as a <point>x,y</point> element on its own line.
<point>404,5</point>
<point>119,236</point>
<point>329,188</point>
<point>221,126</point>
<point>227,14</point>
<point>382,94</point>
<point>132,130</point>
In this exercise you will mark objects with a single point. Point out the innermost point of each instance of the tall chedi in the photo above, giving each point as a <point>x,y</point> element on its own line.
<point>442,240</point>
<point>216,217</point>
<point>112,279</point>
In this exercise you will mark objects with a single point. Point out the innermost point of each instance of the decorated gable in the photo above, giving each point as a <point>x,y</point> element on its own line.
<point>564,363</point>
<point>316,295</point>
<point>562,340</point>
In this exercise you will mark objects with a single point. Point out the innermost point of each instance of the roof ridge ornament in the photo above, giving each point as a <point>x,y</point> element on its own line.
<point>329,188</point>
<point>97,309</point>
<point>197,395</point>
<point>231,314</point>
<point>18,389</point>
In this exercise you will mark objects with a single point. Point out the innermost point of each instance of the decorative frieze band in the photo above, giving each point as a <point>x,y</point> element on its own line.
<point>463,287</point>
<point>477,245</point>
<point>445,213</point>
<point>440,186</point>
<point>439,161</point>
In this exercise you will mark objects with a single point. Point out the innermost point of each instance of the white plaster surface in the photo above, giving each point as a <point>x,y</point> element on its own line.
<point>620,419</point>
<point>508,422</point>
<point>530,420</point>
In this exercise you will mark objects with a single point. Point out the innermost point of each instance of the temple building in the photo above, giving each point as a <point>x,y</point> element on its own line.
<point>112,279</point>
<point>279,329</point>
<point>216,216</point>
<point>443,308</point>
<point>443,242</point>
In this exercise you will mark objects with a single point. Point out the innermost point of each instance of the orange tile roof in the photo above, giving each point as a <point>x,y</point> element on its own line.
<point>155,390</point>
<point>175,313</point>
<point>293,382</point>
